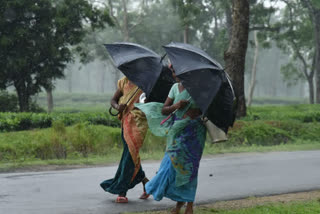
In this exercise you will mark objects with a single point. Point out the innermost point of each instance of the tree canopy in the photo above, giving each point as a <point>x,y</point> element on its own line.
<point>35,41</point>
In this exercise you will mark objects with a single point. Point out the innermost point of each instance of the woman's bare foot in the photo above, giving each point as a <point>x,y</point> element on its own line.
<point>189,209</point>
<point>122,198</point>
<point>177,209</point>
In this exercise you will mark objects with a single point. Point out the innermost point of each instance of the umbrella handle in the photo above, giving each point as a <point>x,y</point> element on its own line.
<point>172,113</point>
<point>110,112</point>
<point>110,109</point>
<point>164,120</point>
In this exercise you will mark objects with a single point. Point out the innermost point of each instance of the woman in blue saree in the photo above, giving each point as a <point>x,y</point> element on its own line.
<point>177,176</point>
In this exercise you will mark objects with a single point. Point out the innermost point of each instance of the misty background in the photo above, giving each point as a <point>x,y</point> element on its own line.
<point>100,76</point>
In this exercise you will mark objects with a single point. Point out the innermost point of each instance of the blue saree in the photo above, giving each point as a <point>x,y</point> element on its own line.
<point>177,176</point>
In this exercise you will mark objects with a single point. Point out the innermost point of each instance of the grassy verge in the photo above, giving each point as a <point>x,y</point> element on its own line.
<point>294,203</point>
<point>35,164</point>
<point>265,129</point>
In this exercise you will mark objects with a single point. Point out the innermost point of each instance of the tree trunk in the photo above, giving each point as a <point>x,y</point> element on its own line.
<point>275,67</point>
<point>235,55</point>
<point>317,44</point>
<point>311,90</point>
<point>185,34</point>
<point>88,81</point>
<point>69,80</point>
<point>229,20</point>
<point>314,13</point>
<point>125,21</point>
<point>254,69</point>
<point>49,100</point>
<point>102,78</point>
<point>23,97</point>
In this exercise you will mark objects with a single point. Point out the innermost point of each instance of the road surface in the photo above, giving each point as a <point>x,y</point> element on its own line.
<point>222,177</point>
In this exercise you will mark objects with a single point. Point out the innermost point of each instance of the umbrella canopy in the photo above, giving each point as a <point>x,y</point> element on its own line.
<point>206,82</point>
<point>141,65</point>
<point>162,87</point>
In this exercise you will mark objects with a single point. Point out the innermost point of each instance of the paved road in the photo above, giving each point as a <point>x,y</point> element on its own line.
<point>234,176</point>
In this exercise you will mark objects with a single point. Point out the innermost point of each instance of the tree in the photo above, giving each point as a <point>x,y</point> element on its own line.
<point>295,40</point>
<point>187,10</point>
<point>125,22</point>
<point>221,13</point>
<point>154,24</point>
<point>35,41</point>
<point>253,70</point>
<point>313,7</point>
<point>235,55</point>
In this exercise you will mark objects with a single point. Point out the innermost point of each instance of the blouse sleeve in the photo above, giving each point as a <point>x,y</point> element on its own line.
<point>172,93</point>
<point>121,83</point>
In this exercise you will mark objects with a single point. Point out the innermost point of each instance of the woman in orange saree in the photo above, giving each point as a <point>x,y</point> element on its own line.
<point>134,127</point>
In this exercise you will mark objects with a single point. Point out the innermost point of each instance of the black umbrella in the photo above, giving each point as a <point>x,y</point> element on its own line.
<point>141,65</point>
<point>206,82</point>
<point>162,87</point>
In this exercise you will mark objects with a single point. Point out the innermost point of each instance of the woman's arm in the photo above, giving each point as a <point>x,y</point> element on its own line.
<point>169,107</point>
<point>115,101</point>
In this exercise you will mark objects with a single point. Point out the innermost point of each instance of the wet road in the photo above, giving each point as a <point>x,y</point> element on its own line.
<point>233,176</point>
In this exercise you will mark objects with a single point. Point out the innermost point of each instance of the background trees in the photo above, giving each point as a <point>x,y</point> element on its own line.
<point>35,40</point>
<point>294,39</point>
<point>313,7</point>
<point>39,39</point>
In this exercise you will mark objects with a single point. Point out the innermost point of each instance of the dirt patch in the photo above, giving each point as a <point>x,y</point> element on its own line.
<point>256,201</point>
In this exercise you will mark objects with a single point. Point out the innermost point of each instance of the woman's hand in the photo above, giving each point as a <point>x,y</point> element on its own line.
<point>121,107</point>
<point>181,104</point>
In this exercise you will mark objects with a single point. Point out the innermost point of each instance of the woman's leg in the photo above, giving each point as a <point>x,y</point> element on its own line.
<point>144,181</point>
<point>189,209</point>
<point>123,181</point>
<point>177,209</point>
<point>144,194</point>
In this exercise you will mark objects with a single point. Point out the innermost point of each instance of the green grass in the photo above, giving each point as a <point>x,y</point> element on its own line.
<point>298,145</point>
<point>303,113</point>
<point>279,100</point>
<point>311,207</point>
<point>85,144</point>
<point>265,129</point>
<point>76,102</point>
<point>307,207</point>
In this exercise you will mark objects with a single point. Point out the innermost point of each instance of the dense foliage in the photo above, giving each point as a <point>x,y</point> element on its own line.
<point>264,126</point>
<point>35,41</point>
<point>26,121</point>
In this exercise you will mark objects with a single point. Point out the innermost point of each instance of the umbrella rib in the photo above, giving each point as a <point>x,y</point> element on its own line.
<point>135,45</point>
<point>207,57</point>
<point>139,58</point>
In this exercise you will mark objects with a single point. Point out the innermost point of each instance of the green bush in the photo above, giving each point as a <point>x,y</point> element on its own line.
<point>60,142</point>
<point>83,139</point>
<point>275,125</point>
<point>259,133</point>
<point>279,100</point>
<point>303,113</point>
<point>27,121</point>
